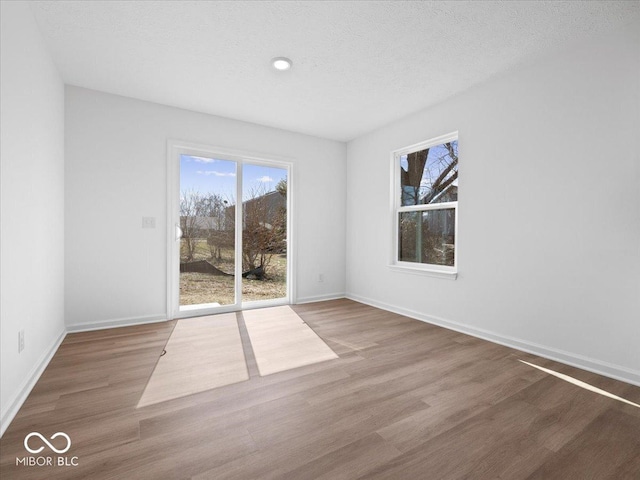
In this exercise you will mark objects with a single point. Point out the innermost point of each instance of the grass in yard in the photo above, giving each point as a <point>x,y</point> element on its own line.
<point>199,288</point>
<point>274,286</point>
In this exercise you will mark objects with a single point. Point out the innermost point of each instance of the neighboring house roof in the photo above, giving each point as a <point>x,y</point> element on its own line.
<point>272,203</point>
<point>449,194</point>
<point>204,223</point>
<point>274,200</point>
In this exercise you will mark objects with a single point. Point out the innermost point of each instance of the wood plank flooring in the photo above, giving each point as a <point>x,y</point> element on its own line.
<point>405,400</point>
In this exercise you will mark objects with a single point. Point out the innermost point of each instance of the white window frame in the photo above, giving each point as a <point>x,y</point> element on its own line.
<point>442,271</point>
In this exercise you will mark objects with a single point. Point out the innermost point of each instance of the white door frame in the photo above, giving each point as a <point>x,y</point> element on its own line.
<point>174,149</point>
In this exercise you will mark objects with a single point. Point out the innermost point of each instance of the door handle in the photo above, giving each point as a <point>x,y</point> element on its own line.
<point>178,232</point>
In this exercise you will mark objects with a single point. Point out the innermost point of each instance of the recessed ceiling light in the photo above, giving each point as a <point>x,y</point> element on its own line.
<point>281,63</point>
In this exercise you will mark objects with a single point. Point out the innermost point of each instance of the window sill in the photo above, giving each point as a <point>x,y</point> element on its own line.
<point>424,271</point>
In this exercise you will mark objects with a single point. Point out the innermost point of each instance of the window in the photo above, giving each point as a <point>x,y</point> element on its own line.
<point>426,205</point>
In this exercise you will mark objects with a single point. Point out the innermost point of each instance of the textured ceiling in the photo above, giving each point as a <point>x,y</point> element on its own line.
<point>357,65</point>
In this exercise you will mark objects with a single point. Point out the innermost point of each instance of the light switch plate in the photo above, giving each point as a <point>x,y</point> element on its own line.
<point>148,222</point>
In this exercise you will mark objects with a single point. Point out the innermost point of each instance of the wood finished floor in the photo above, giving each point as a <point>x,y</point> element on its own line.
<point>405,400</point>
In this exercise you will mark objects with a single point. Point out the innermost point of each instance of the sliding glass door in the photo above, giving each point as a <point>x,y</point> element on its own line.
<point>229,235</point>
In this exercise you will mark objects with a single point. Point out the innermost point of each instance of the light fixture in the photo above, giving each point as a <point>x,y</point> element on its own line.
<point>281,63</point>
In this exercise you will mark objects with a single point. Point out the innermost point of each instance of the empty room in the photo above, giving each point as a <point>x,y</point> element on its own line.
<point>320,240</point>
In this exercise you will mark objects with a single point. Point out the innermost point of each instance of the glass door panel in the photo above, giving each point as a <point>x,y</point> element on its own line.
<point>208,240</point>
<point>264,232</point>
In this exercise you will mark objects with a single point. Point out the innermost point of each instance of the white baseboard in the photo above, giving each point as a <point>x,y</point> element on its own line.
<point>592,365</point>
<point>118,322</point>
<point>31,379</point>
<point>320,298</point>
<point>29,382</point>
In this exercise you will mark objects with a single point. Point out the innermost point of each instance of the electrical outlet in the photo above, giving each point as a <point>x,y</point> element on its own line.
<point>320,277</point>
<point>20,341</point>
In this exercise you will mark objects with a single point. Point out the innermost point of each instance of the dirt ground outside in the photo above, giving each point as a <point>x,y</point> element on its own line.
<point>200,288</point>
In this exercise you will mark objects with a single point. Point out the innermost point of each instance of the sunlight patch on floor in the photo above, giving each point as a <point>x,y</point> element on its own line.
<point>202,353</point>
<point>581,384</point>
<point>282,341</point>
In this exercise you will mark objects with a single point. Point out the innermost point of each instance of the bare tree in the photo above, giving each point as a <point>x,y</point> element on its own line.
<point>209,218</point>
<point>281,187</point>
<point>189,209</point>
<point>413,178</point>
<point>447,176</point>
<point>203,217</point>
<point>264,228</point>
<point>214,218</point>
<point>427,180</point>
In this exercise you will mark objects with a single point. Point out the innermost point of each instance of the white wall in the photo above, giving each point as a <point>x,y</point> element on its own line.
<point>549,209</point>
<point>116,174</point>
<point>32,208</point>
